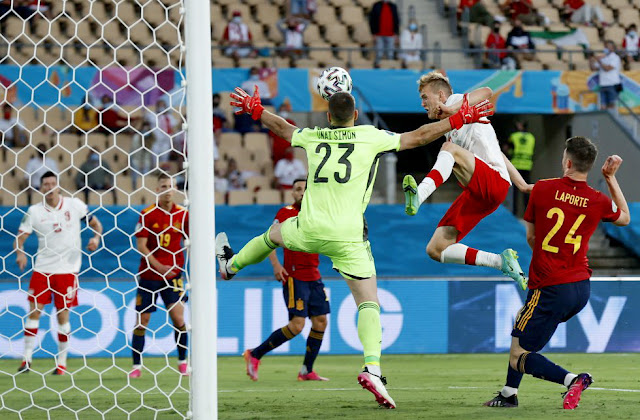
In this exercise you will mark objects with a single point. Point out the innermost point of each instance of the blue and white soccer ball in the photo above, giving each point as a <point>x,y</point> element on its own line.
<point>332,80</point>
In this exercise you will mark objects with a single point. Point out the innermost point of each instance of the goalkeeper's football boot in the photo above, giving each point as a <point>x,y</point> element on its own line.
<point>59,370</point>
<point>511,267</point>
<point>224,254</point>
<point>410,188</point>
<point>376,385</point>
<point>252,365</point>
<point>25,367</point>
<point>572,396</point>
<point>135,373</point>
<point>502,401</point>
<point>311,376</point>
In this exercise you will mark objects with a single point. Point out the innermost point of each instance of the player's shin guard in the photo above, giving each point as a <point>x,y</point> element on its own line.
<point>137,342</point>
<point>540,367</point>
<point>462,254</point>
<point>30,333</point>
<point>180,334</point>
<point>440,172</point>
<point>370,334</point>
<point>276,339</point>
<point>255,251</point>
<point>314,341</point>
<point>63,344</point>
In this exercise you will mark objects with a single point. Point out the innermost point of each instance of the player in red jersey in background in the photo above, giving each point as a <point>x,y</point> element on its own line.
<point>160,233</point>
<point>304,296</point>
<point>561,216</point>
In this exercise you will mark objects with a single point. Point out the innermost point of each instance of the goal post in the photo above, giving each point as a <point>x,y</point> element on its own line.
<point>204,395</point>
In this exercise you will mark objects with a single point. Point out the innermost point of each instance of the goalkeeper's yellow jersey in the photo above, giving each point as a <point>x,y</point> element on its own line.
<point>342,169</point>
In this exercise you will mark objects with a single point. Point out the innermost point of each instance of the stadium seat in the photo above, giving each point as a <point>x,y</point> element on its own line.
<point>269,197</point>
<point>351,15</point>
<point>311,34</point>
<point>362,34</point>
<point>223,62</point>
<point>220,198</point>
<point>267,13</point>
<point>260,181</point>
<point>337,35</point>
<point>325,15</point>
<point>238,197</point>
<point>389,64</point>
<point>127,13</point>
<point>301,154</point>
<point>628,17</point>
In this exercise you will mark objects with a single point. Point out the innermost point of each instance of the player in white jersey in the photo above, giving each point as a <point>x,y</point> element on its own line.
<point>473,154</point>
<point>56,222</point>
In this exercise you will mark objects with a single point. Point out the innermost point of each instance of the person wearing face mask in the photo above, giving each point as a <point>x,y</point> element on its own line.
<point>94,175</point>
<point>292,30</point>
<point>631,43</point>
<point>254,80</point>
<point>237,38</point>
<point>410,43</point>
<point>520,40</point>
<point>608,67</point>
<point>288,170</point>
<point>495,41</point>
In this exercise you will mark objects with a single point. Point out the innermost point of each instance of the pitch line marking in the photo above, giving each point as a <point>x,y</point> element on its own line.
<point>394,389</point>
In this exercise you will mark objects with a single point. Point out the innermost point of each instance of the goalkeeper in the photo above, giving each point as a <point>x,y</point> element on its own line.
<point>343,160</point>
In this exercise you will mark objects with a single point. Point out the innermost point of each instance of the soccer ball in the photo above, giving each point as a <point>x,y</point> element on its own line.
<point>332,80</point>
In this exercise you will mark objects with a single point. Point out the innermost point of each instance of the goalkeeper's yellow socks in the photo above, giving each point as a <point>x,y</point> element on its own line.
<point>370,334</point>
<point>255,251</point>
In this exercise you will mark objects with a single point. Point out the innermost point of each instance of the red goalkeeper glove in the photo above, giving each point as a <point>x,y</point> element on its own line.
<point>471,114</point>
<point>248,104</point>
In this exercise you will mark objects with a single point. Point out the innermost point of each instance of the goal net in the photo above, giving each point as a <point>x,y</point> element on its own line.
<point>94,91</point>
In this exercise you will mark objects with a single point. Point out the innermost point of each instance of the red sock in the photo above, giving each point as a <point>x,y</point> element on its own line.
<point>470,256</point>
<point>31,331</point>
<point>63,337</point>
<point>436,176</point>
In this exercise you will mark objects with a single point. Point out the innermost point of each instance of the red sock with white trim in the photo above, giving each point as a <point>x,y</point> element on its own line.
<point>440,172</point>
<point>462,254</point>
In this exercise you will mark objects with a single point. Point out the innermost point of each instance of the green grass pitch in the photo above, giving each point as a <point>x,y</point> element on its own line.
<point>423,386</point>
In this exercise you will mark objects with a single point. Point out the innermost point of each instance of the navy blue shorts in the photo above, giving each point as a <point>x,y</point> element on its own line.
<point>305,298</point>
<point>608,95</point>
<point>545,309</point>
<point>171,292</point>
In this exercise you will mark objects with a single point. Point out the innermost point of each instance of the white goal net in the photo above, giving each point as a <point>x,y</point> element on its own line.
<point>92,90</point>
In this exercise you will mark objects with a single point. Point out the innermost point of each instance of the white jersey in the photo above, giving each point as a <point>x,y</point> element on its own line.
<point>481,140</point>
<point>58,231</point>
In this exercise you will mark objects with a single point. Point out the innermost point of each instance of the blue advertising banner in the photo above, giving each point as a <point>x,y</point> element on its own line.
<point>418,316</point>
<point>516,91</point>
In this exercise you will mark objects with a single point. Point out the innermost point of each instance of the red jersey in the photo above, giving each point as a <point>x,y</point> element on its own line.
<point>565,214</point>
<point>164,232</point>
<point>299,265</point>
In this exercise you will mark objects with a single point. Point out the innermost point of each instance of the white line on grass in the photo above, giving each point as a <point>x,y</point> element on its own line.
<point>394,389</point>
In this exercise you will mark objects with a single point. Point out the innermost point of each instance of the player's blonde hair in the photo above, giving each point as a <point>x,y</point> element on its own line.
<point>436,80</point>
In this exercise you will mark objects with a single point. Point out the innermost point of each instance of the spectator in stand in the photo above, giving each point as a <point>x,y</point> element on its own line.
<point>292,29</point>
<point>111,120</point>
<point>94,175</point>
<point>288,170</point>
<point>495,41</point>
<point>411,43</point>
<point>577,11</point>
<point>140,154</point>
<point>219,116</point>
<point>12,129</point>
<point>478,12</point>
<point>279,146</point>
<point>385,26</point>
<point>522,10</point>
<point>235,177</point>
<point>237,38</point>
<point>521,42</point>
<point>243,123</point>
<point>37,166</point>
<point>608,66</point>
<point>85,118</point>
<point>163,125</point>
<point>302,8</point>
<point>631,44</point>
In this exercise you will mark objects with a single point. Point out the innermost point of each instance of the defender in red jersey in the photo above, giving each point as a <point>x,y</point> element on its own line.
<point>304,296</point>
<point>561,216</point>
<point>160,233</point>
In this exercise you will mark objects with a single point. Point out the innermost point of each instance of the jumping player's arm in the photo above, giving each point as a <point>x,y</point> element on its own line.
<point>475,97</point>
<point>515,176</point>
<point>141,243</point>
<point>96,226</point>
<point>252,105</point>
<point>609,170</point>
<point>468,114</point>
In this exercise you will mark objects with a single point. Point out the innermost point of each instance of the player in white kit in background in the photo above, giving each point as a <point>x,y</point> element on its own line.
<point>56,222</point>
<point>473,154</point>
